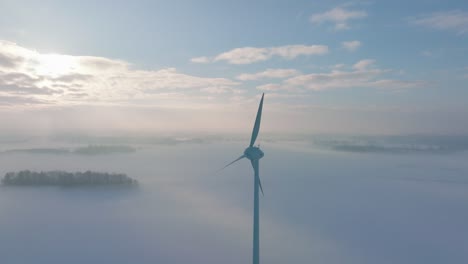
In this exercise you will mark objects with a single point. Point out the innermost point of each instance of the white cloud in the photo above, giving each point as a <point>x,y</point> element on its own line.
<point>396,84</point>
<point>200,60</point>
<point>65,79</point>
<point>347,79</point>
<point>244,55</point>
<point>7,60</point>
<point>293,51</point>
<point>363,64</point>
<point>338,66</point>
<point>339,16</point>
<point>222,90</point>
<point>272,94</point>
<point>19,100</point>
<point>455,20</point>
<point>351,45</point>
<point>270,87</point>
<point>361,75</point>
<point>248,55</point>
<point>269,73</point>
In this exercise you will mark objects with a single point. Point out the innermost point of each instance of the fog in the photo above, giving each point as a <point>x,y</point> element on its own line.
<point>321,204</point>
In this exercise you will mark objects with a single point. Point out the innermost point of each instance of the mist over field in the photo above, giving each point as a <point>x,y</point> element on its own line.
<point>322,204</point>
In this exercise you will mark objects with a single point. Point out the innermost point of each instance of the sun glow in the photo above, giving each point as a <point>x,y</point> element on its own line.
<point>56,64</point>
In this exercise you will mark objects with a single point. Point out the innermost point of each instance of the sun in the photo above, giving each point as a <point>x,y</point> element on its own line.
<point>56,64</point>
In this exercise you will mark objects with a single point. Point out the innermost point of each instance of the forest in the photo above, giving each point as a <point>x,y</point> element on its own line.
<point>63,178</point>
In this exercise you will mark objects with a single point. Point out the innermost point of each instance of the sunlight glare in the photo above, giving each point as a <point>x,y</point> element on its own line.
<point>56,64</point>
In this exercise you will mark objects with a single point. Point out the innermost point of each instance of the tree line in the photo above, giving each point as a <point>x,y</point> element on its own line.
<point>63,178</point>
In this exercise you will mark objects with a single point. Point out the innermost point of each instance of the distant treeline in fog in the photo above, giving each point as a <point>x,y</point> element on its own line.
<point>62,178</point>
<point>87,150</point>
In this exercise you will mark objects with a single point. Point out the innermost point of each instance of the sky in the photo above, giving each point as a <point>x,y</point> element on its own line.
<point>362,67</point>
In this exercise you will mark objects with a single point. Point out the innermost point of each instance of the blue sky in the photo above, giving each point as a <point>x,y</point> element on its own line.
<point>400,63</point>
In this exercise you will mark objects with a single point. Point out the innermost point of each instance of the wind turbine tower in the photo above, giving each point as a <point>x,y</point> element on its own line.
<point>254,154</point>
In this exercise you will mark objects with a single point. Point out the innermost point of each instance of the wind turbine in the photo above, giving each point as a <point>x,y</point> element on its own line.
<point>254,154</point>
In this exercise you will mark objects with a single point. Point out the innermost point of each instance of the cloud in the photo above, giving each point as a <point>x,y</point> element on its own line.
<point>293,51</point>
<point>12,56</point>
<point>269,73</point>
<point>362,74</point>
<point>19,100</point>
<point>455,20</point>
<point>248,55</point>
<point>351,45</point>
<point>270,87</point>
<point>8,61</point>
<point>338,66</point>
<point>333,80</point>
<point>170,78</point>
<point>19,90</point>
<point>200,60</point>
<point>19,83</point>
<point>245,55</point>
<point>90,63</point>
<point>339,16</point>
<point>65,79</point>
<point>363,64</point>
<point>220,90</point>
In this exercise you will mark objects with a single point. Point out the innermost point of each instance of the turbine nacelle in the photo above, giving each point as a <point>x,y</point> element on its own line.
<point>253,153</point>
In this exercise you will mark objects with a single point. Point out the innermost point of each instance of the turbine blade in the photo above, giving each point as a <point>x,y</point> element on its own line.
<point>257,122</point>
<point>255,166</point>
<point>241,157</point>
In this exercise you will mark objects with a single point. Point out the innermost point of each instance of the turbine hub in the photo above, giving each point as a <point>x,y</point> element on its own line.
<point>253,153</point>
